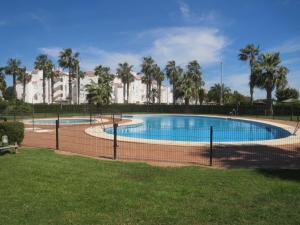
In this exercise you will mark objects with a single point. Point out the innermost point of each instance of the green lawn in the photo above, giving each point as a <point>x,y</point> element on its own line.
<point>41,187</point>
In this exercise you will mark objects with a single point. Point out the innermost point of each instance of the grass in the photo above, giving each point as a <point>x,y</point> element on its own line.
<point>40,187</point>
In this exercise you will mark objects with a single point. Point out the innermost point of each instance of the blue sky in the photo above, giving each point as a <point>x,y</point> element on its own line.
<point>108,32</point>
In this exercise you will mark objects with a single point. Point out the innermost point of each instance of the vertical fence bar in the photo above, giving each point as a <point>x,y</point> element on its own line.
<point>211,146</point>
<point>115,141</point>
<point>90,116</point>
<point>57,135</point>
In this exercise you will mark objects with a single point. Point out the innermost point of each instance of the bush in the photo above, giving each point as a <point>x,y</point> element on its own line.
<point>14,131</point>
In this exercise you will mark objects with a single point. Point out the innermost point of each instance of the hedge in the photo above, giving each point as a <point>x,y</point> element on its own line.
<point>14,131</point>
<point>243,109</point>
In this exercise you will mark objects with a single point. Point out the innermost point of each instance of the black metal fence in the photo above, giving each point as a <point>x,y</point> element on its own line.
<point>104,136</point>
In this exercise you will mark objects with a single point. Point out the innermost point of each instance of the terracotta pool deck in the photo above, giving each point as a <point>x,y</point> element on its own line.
<point>74,139</point>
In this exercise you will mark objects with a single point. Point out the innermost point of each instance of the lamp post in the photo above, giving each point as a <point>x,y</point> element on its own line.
<point>221,98</point>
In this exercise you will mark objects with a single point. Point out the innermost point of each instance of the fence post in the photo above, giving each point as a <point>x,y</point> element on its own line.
<point>57,136</point>
<point>211,146</point>
<point>90,116</point>
<point>115,140</point>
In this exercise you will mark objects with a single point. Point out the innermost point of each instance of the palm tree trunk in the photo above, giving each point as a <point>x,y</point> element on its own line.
<point>124,91</point>
<point>52,89</point>
<point>44,84</point>
<point>174,97</point>
<point>70,86</point>
<point>14,85</point>
<point>159,92</point>
<point>269,102</point>
<point>24,89</point>
<point>127,92</point>
<point>186,101</point>
<point>251,94</point>
<point>78,90</point>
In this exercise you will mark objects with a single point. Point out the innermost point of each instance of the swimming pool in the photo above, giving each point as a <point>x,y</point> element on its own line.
<point>197,129</point>
<point>62,121</point>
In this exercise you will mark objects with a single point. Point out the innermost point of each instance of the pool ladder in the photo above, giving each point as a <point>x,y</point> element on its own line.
<point>297,128</point>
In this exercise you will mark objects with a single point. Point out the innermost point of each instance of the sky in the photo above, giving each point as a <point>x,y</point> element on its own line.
<point>108,32</point>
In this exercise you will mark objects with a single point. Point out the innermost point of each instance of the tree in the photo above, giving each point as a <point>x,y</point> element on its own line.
<point>2,81</point>
<point>236,97</point>
<point>214,93</point>
<point>158,76</point>
<point>174,74</point>
<point>12,68</point>
<point>52,74</point>
<point>24,78</point>
<point>286,93</point>
<point>125,75</point>
<point>100,93</point>
<point>147,69</point>
<point>250,52</point>
<point>68,60</point>
<point>188,88</point>
<point>201,95</point>
<point>42,63</point>
<point>194,72</point>
<point>271,74</point>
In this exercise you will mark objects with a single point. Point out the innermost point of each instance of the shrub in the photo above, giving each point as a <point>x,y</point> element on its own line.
<point>14,131</point>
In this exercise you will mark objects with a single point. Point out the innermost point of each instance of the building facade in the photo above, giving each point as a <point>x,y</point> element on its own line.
<point>60,91</point>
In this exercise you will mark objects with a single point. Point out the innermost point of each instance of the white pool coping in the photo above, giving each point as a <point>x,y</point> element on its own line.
<point>98,131</point>
<point>29,121</point>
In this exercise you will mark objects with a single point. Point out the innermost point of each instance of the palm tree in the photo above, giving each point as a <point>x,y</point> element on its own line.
<point>250,52</point>
<point>2,81</point>
<point>42,62</point>
<point>188,88</point>
<point>100,93</point>
<point>13,68</point>
<point>124,73</point>
<point>271,74</point>
<point>158,76</point>
<point>173,73</point>
<point>68,60</point>
<point>214,93</point>
<point>147,69</point>
<point>24,77</point>
<point>195,74</point>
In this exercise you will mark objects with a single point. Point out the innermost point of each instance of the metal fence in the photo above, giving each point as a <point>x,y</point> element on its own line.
<point>103,136</point>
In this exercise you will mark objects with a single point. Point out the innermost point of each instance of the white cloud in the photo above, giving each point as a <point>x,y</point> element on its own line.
<point>189,16</point>
<point>181,44</point>
<point>184,44</point>
<point>289,46</point>
<point>51,51</point>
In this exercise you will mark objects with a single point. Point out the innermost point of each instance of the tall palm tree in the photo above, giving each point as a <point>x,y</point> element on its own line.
<point>251,53</point>
<point>158,76</point>
<point>188,88</point>
<point>2,81</point>
<point>12,68</point>
<point>195,74</point>
<point>42,62</point>
<point>124,73</point>
<point>147,69</point>
<point>68,60</point>
<point>52,75</point>
<point>24,77</point>
<point>271,74</point>
<point>173,73</point>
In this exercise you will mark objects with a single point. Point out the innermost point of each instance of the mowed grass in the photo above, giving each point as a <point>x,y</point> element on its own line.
<point>38,186</point>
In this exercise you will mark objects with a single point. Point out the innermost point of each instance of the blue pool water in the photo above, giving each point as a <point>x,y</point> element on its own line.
<point>197,129</point>
<point>61,121</point>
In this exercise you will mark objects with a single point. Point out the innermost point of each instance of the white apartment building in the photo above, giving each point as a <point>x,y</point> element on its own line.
<point>34,89</point>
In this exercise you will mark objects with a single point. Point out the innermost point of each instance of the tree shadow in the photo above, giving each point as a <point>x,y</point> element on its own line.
<point>284,174</point>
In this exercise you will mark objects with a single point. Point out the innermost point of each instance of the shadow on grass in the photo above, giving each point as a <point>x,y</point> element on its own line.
<point>258,156</point>
<point>293,175</point>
